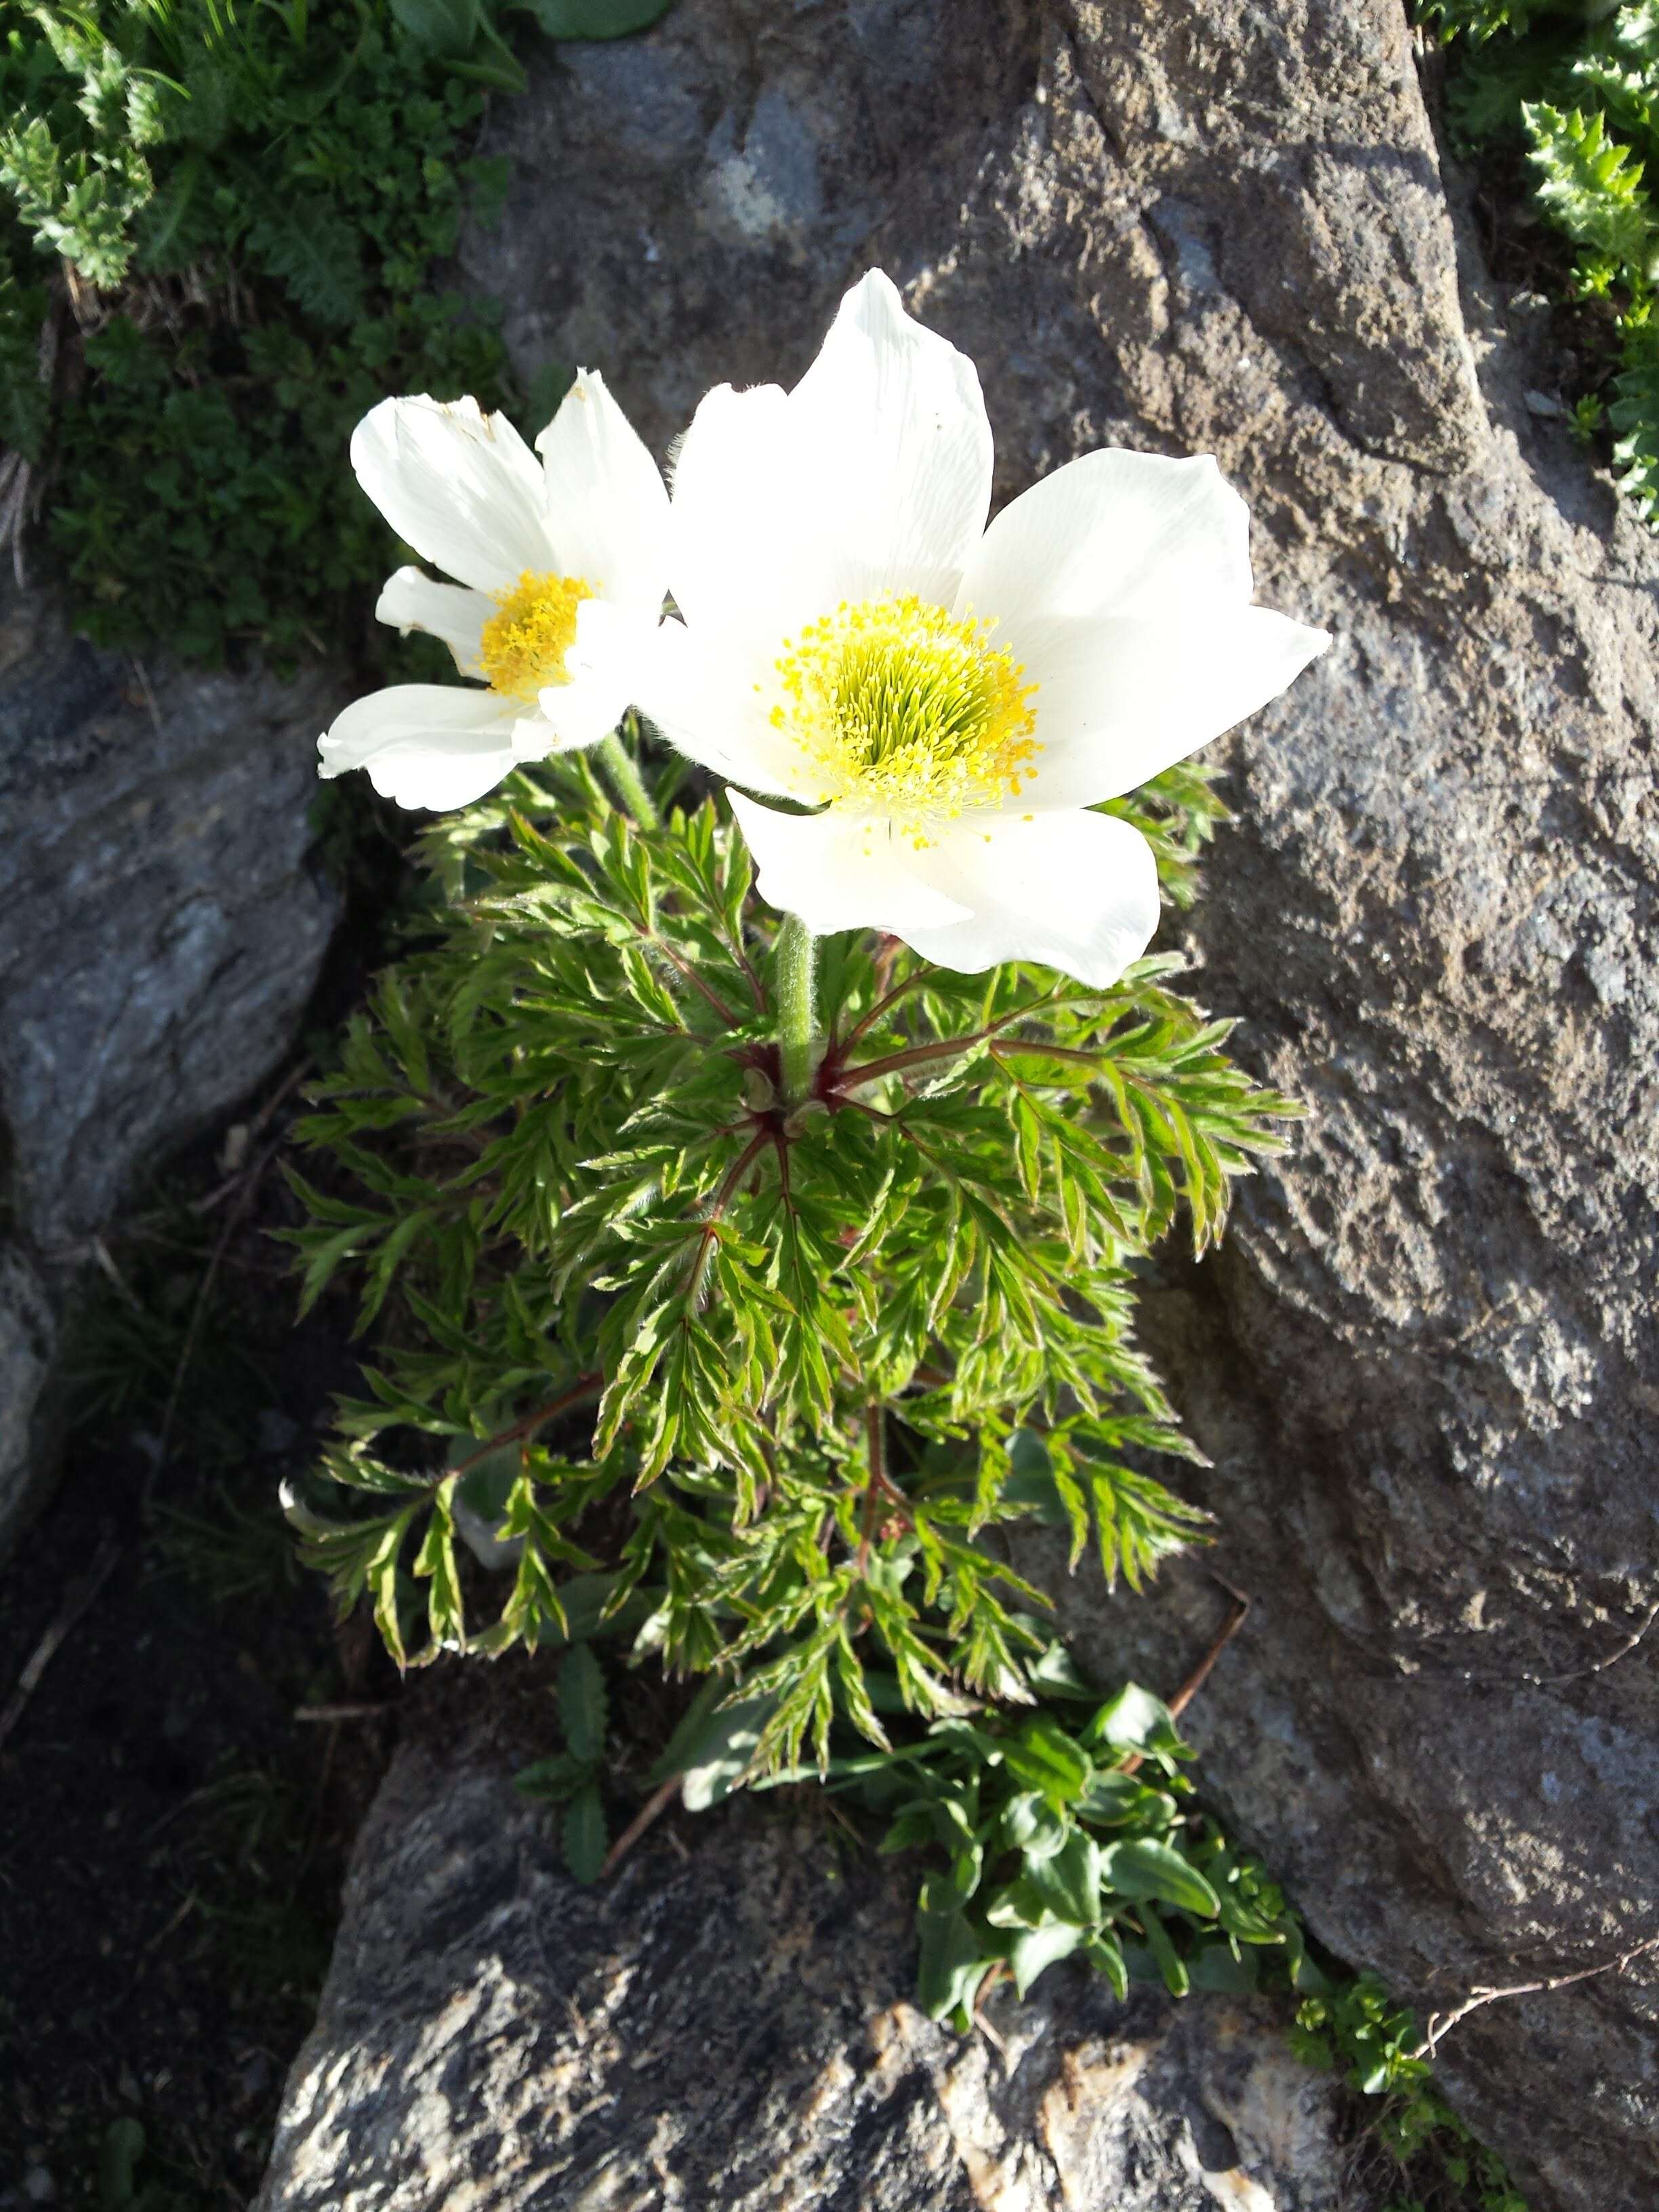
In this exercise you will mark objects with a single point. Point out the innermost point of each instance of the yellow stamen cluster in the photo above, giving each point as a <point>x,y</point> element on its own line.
<point>907,712</point>
<point>524,643</point>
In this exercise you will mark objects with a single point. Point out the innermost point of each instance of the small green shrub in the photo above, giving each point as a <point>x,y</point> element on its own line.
<point>571,1778</point>
<point>898,1317</point>
<point>1063,1832</point>
<point>1355,2028</point>
<point>1579,93</point>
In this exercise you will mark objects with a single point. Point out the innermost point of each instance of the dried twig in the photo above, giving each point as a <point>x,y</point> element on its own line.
<point>656,1804</point>
<point>1441,2022</point>
<point>255,1128</point>
<point>986,2029</point>
<point>584,1386</point>
<point>1201,1674</point>
<point>1600,1666</point>
<point>252,1178</point>
<point>147,692</point>
<point>998,1970</point>
<point>16,481</point>
<point>348,1712</point>
<point>101,1254</point>
<point>199,1311</point>
<point>176,1922</point>
<point>77,1603</point>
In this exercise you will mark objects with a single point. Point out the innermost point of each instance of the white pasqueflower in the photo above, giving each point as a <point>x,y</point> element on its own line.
<point>529,542</point>
<point>952,699</point>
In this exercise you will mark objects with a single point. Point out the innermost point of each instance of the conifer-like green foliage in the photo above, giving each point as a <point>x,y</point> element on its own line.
<point>1580,91</point>
<point>783,1369</point>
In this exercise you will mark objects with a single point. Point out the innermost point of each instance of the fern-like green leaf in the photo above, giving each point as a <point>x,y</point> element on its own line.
<point>1591,183</point>
<point>313,255</point>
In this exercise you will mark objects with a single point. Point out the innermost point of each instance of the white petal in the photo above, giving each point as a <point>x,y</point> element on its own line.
<point>461,487</point>
<point>533,739</point>
<point>1118,701</point>
<point>413,600</point>
<point>1075,891</point>
<point>744,546</point>
<point>582,712</point>
<point>837,872</point>
<point>1114,533</point>
<point>607,504</point>
<point>424,744</point>
<point>705,691</point>
<point>874,475</point>
<point>607,669</point>
<point>891,425</point>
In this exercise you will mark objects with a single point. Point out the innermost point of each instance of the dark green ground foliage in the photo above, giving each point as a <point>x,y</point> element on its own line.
<point>223,229</point>
<point>1576,93</point>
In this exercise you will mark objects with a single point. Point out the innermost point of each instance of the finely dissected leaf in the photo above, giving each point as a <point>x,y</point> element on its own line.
<point>583,1705</point>
<point>585,1836</point>
<point>557,1779</point>
<point>1591,183</point>
<point>434,1564</point>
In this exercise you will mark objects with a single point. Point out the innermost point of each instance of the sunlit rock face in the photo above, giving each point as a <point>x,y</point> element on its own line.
<point>162,921</point>
<point>1425,1367</point>
<point>730,2024</point>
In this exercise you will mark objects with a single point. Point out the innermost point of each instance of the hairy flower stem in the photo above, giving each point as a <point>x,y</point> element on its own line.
<point>628,784</point>
<point>794,965</point>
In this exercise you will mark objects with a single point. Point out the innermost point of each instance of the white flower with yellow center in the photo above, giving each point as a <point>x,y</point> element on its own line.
<point>950,700</point>
<point>529,543</point>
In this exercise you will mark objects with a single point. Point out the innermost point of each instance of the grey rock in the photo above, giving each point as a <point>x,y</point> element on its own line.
<point>162,921</point>
<point>730,2024</point>
<point>162,917</point>
<point>1425,1367</point>
<point>28,1335</point>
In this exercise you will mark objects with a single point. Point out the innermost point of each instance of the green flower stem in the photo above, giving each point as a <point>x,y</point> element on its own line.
<point>792,974</point>
<point>630,785</point>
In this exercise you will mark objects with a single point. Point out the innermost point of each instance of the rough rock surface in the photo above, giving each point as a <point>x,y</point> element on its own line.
<point>162,921</point>
<point>730,2026</point>
<point>28,1335</point>
<point>1426,1367</point>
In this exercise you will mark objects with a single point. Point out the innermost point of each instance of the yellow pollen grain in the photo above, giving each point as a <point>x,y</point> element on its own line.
<point>523,645</point>
<point>906,712</point>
